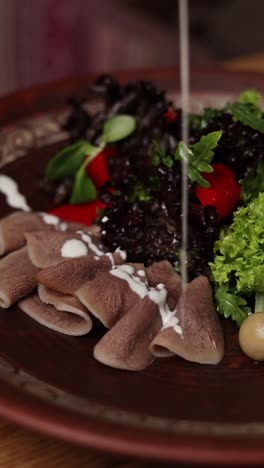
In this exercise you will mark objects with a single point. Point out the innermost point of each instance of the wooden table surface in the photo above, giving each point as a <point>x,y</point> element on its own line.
<point>20,448</point>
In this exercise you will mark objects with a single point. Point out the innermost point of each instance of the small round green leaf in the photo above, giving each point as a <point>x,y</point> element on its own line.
<point>118,127</point>
<point>67,161</point>
<point>84,189</point>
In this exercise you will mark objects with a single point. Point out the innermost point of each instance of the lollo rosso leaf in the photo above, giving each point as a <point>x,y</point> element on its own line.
<point>84,189</point>
<point>118,127</point>
<point>67,161</point>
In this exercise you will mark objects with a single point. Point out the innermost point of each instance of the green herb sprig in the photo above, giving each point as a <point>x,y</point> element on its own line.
<point>72,160</point>
<point>199,155</point>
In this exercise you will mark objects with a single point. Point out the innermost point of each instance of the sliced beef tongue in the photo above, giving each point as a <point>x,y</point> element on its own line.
<point>14,226</point>
<point>64,302</point>
<point>70,275</point>
<point>126,344</point>
<point>48,248</point>
<point>111,294</point>
<point>17,277</point>
<point>200,336</point>
<point>163,272</point>
<point>75,323</point>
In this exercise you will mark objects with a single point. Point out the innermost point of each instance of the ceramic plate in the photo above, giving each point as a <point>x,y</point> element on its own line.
<point>174,410</point>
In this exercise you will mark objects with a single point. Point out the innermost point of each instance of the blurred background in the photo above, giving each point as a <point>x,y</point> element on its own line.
<point>43,40</point>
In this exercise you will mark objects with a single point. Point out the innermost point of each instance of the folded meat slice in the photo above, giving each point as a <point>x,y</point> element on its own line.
<point>126,344</point>
<point>75,324</point>
<point>64,302</point>
<point>17,277</point>
<point>197,336</point>
<point>48,248</point>
<point>163,272</point>
<point>14,226</point>
<point>70,275</point>
<point>111,294</point>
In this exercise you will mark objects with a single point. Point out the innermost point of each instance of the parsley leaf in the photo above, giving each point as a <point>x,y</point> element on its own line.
<point>248,114</point>
<point>199,156</point>
<point>231,305</point>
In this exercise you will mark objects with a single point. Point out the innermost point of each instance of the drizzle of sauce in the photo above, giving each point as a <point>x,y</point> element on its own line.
<point>50,219</point>
<point>126,273</point>
<point>141,273</point>
<point>185,98</point>
<point>14,198</point>
<point>110,255</point>
<point>88,240</point>
<point>122,253</point>
<point>74,248</point>
<point>168,317</point>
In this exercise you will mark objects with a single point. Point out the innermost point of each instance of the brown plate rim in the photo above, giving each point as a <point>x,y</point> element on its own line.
<point>40,415</point>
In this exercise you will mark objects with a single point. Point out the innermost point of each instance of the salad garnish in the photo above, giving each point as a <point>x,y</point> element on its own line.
<point>238,266</point>
<point>74,160</point>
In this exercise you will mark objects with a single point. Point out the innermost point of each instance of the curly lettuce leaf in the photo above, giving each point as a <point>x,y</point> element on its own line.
<point>239,256</point>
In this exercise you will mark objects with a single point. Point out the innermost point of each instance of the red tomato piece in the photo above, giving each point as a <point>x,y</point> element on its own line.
<point>85,213</point>
<point>170,116</point>
<point>224,190</point>
<point>97,169</point>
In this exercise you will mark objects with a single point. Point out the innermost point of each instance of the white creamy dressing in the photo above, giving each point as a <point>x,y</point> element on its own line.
<point>141,273</point>
<point>110,255</point>
<point>126,273</point>
<point>63,227</point>
<point>14,198</point>
<point>122,253</point>
<point>105,219</point>
<point>74,248</point>
<point>158,295</point>
<point>88,240</point>
<point>50,219</point>
<point>168,317</point>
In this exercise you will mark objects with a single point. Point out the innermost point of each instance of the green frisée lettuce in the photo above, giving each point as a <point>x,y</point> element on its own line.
<point>238,267</point>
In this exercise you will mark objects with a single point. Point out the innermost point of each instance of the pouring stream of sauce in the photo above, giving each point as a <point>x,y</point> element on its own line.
<point>185,99</point>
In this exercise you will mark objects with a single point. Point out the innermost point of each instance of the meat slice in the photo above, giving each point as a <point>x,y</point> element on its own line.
<point>126,344</point>
<point>111,294</point>
<point>48,248</point>
<point>70,275</point>
<point>197,335</point>
<point>69,323</point>
<point>64,302</point>
<point>17,277</point>
<point>163,272</point>
<point>14,226</point>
